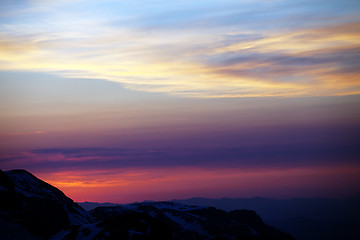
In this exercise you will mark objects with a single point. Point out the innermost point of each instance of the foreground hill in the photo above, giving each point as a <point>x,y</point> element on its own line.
<point>32,209</point>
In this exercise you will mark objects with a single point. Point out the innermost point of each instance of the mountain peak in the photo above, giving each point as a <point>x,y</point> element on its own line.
<point>31,186</point>
<point>20,171</point>
<point>34,205</point>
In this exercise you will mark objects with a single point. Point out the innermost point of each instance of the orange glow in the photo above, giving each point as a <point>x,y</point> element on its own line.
<point>165,184</point>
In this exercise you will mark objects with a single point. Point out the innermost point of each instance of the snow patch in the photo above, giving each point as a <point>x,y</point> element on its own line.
<point>193,226</point>
<point>88,232</point>
<point>133,232</point>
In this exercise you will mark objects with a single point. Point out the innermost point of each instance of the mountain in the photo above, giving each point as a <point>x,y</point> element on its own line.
<point>178,221</point>
<point>33,209</point>
<point>305,219</point>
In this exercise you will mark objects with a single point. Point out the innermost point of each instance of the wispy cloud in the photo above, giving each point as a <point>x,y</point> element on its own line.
<point>209,50</point>
<point>275,156</point>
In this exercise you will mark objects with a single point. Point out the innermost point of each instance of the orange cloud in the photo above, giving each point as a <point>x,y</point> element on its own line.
<point>28,133</point>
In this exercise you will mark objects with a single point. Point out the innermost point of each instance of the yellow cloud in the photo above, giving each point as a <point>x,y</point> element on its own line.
<point>180,65</point>
<point>301,41</point>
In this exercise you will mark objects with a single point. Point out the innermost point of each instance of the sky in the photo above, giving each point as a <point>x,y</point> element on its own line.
<point>124,101</point>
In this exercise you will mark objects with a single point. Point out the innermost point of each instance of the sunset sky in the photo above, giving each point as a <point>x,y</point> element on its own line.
<point>122,101</point>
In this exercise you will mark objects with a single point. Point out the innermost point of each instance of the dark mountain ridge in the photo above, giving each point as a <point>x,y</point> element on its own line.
<point>192,222</point>
<point>304,218</point>
<point>33,209</point>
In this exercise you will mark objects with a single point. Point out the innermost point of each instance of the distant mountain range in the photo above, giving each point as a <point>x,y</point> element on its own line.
<point>304,218</point>
<point>32,209</point>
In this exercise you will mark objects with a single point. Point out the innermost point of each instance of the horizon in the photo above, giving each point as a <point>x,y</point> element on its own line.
<point>222,198</point>
<point>116,101</point>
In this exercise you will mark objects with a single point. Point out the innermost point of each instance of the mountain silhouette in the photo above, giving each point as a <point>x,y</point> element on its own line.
<point>33,209</point>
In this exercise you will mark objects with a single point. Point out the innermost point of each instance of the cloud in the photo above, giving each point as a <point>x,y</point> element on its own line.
<point>179,54</point>
<point>275,156</point>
